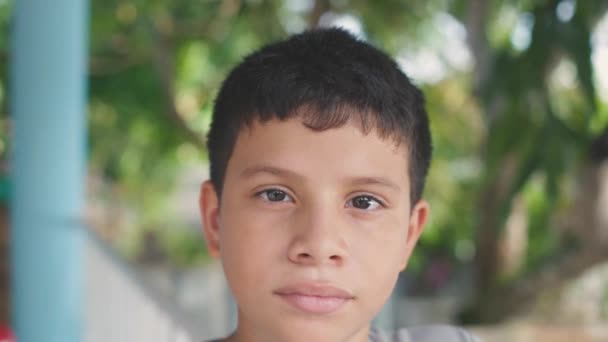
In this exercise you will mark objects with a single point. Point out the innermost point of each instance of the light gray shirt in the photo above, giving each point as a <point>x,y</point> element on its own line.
<point>427,333</point>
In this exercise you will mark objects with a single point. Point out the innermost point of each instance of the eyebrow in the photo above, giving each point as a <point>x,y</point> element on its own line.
<point>277,171</point>
<point>273,170</point>
<point>375,181</point>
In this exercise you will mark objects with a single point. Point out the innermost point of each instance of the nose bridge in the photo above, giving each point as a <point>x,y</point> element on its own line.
<point>319,238</point>
<point>321,223</point>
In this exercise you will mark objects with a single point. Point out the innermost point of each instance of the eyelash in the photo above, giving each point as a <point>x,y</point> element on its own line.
<point>265,192</point>
<point>381,204</point>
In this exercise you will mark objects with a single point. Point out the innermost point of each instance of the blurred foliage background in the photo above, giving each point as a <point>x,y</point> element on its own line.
<point>517,92</point>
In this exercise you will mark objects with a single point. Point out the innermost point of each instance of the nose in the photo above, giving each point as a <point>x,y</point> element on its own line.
<point>318,239</point>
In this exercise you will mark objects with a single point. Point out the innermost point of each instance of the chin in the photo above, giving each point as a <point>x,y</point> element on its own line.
<point>296,335</point>
<point>314,329</point>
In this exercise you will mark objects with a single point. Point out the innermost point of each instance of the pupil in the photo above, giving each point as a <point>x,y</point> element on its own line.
<point>362,202</point>
<point>276,195</point>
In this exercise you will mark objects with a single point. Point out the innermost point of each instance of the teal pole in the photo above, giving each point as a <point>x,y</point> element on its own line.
<point>48,165</point>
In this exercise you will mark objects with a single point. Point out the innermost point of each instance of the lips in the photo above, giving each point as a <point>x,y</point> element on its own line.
<point>314,297</point>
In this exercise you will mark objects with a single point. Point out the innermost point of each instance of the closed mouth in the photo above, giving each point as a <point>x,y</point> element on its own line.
<point>315,297</point>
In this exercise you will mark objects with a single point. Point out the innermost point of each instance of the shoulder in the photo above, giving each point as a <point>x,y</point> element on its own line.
<point>427,333</point>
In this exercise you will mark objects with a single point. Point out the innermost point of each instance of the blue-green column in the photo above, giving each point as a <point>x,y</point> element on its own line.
<point>48,106</point>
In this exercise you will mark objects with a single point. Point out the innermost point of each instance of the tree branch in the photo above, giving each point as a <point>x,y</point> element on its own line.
<point>518,297</point>
<point>585,223</point>
<point>477,41</point>
<point>165,66</point>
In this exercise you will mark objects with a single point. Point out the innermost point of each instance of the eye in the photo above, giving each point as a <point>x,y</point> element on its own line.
<point>274,195</point>
<point>365,202</point>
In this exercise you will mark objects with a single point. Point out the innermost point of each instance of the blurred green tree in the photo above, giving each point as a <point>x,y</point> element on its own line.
<point>544,146</point>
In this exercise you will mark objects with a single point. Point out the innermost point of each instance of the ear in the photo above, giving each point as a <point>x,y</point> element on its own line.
<point>417,221</point>
<point>210,214</point>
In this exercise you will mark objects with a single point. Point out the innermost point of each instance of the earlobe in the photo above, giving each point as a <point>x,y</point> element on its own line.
<point>417,222</point>
<point>210,214</point>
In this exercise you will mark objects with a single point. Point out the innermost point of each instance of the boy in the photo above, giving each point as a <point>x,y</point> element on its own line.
<point>319,148</point>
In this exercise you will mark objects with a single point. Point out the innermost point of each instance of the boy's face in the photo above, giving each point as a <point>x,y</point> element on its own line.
<point>313,229</point>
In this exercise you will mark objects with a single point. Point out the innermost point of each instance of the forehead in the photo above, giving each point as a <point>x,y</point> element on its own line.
<point>329,155</point>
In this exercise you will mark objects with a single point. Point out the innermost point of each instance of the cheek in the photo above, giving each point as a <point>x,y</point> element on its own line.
<point>380,254</point>
<point>381,261</point>
<point>379,282</point>
<point>383,241</point>
<point>248,246</point>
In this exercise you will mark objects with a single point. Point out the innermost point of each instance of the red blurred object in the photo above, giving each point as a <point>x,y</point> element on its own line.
<point>6,335</point>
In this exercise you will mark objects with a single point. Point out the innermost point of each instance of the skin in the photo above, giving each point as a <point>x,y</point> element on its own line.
<point>339,214</point>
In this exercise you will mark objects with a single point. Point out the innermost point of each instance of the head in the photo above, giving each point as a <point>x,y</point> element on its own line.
<point>319,148</point>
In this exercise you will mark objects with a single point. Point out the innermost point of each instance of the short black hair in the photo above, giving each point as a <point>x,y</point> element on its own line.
<point>328,78</point>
